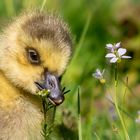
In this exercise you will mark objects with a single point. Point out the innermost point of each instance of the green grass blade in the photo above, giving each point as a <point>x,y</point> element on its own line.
<point>9,7</point>
<point>43,5</point>
<point>79,116</point>
<point>79,45</point>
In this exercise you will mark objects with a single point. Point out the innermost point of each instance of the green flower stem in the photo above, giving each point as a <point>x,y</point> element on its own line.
<point>43,5</point>
<point>116,104</point>
<point>9,4</point>
<point>125,89</point>
<point>47,129</point>
<point>79,118</point>
<point>45,118</point>
<point>53,117</point>
<point>98,138</point>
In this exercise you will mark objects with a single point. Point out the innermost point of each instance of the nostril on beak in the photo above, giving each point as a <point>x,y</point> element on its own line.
<point>56,100</point>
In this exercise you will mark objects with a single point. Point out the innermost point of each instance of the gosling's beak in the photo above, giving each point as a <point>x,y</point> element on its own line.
<point>52,84</point>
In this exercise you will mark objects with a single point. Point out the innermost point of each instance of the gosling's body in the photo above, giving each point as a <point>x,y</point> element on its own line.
<point>20,116</point>
<point>20,108</point>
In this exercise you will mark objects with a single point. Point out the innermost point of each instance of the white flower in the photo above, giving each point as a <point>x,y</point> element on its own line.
<point>117,53</point>
<point>114,47</point>
<point>99,75</point>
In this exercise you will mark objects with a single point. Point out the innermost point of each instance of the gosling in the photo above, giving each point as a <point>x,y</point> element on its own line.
<point>34,52</point>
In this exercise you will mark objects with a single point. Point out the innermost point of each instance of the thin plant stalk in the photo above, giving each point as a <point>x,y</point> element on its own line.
<point>98,138</point>
<point>82,38</point>
<point>9,7</point>
<point>116,104</point>
<point>79,117</point>
<point>124,95</point>
<point>54,112</point>
<point>129,88</point>
<point>79,45</point>
<point>120,108</point>
<point>45,118</point>
<point>47,129</point>
<point>43,5</point>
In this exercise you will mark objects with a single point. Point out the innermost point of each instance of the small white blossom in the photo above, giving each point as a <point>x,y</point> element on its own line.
<point>114,47</point>
<point>116,53</point>
<point>99,75</point>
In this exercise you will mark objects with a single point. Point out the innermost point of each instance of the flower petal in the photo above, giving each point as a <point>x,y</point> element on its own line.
<point>95,75</point>
<point>110,55</point>
<point>109,46</point>
<point>118,45</point>
<point>114,60</point>
<point>98,72</point>
<point>121,51</point>
<point>126,57</point>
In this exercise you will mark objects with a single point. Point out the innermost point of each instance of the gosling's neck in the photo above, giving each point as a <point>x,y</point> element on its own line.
<point>9,94</point>
<point>20,113</point>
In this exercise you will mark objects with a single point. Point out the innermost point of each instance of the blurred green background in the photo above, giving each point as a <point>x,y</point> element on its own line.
<point>93,24</point>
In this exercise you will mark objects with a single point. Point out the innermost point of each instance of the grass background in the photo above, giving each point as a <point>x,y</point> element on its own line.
<point>94,23</point>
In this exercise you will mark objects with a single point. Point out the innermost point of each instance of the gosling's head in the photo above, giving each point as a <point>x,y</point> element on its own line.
<point>35,50</point>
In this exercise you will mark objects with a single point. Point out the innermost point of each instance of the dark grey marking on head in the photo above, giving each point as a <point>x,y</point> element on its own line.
<point>43,26</point>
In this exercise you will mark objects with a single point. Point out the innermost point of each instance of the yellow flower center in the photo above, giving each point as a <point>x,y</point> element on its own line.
<point>102,81</point>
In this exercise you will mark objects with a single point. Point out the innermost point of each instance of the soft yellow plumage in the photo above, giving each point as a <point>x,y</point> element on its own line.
<point>35,45</point>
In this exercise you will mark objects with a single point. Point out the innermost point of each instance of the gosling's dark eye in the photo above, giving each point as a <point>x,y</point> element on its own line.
<point>33,56</point>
